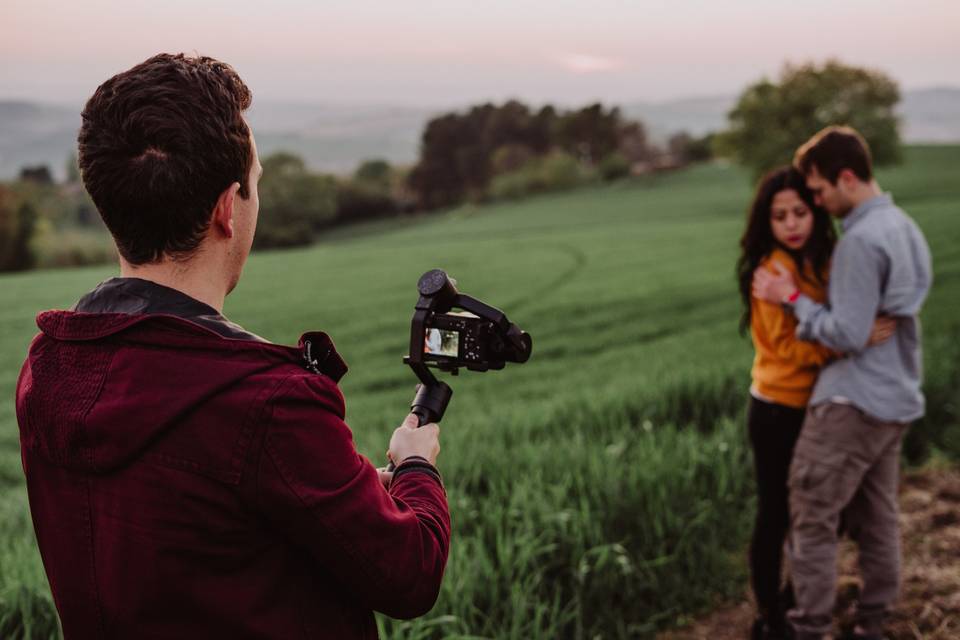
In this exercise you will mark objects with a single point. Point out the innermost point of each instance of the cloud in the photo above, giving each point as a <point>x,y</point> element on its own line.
<point>585,63</point>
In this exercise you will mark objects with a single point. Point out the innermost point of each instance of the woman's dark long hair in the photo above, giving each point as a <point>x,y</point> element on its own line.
<point>758,242</point>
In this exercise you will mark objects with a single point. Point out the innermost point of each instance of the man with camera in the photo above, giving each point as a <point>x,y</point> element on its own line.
<point>848,455</point>
<point>186,477</point>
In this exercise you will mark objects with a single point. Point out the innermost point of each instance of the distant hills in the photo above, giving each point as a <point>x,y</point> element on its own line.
<point>337,138</point>
<point>329,138</point>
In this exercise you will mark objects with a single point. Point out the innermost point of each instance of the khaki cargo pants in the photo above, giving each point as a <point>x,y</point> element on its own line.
<point>844,461</point>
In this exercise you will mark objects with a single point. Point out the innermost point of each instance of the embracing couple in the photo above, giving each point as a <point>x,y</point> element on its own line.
<point>836,380</point>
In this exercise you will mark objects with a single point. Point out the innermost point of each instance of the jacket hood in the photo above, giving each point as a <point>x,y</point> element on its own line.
<point>98,388</point>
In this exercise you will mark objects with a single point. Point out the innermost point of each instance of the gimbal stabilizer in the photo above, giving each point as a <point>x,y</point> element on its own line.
<point>479,340</point>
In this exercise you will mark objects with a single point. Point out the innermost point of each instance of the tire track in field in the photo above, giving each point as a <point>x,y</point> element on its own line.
<point>613,313</point>
<point>469,236</point>
<point>579,257</point>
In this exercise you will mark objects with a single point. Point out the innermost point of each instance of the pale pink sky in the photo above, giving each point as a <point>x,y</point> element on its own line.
<point>453,52</point>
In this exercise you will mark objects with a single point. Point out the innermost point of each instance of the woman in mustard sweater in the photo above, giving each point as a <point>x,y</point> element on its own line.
<point>786,227</point>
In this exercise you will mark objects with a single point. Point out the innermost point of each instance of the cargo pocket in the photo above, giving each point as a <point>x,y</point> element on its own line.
<point>819,473</point>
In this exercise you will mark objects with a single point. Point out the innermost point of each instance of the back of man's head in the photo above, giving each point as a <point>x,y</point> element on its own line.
<point>831,151</point>
<point>158,145</point>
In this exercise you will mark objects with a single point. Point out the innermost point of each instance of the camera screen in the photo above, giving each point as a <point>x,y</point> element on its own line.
<point>440,342</point>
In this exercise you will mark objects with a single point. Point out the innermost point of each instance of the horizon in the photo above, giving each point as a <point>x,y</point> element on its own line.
<point>421,107</point>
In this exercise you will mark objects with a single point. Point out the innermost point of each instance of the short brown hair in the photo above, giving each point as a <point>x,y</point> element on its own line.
<point>158,145</point>
<point>831,151</point>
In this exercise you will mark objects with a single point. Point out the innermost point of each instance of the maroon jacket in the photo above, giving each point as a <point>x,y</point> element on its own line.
<point>188,485</point>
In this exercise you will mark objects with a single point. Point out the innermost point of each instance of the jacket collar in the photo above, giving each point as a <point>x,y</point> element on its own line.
<point>138,296</point>
<point>860,211</point>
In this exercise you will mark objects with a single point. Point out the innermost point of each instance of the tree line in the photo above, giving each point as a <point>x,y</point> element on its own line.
<point>491,152</point>
<point>485,153</point>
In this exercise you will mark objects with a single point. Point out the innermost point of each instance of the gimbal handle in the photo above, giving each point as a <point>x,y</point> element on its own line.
<point>430,402</point>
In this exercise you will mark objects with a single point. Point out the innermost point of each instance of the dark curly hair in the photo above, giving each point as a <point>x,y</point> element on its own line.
<point>758,242</point>
<point>158,145</point>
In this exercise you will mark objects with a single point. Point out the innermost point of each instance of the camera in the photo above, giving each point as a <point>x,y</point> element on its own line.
<point>453,340</point>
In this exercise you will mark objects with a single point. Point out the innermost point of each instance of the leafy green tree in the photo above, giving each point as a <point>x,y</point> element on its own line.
<point>18,219</point>
<point>685,149</point>
<point>632,142</point>
<point>8,226</point>
<point>374,173</point>
<point>771,119</point>
<point>511,157</point>
<point>591,133</point>
<point>514,124</point>
<point>368,194</point>
<point>461,153</point>
<point>700,149</point>
<point>38,174</point>
<point>438,178</point>
<point>294,203</point>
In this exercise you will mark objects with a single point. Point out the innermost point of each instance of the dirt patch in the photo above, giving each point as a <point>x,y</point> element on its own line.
<point>929,606</point>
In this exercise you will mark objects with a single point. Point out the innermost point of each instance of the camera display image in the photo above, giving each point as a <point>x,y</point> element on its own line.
<point>440,342</point>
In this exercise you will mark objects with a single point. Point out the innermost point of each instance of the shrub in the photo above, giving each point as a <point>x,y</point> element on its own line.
<point>512,185</point>
<point>614,166</point>
<point>358,200</point>
<point>559,170</point>
<point>294,203</point>
<point>553,172</point>
<point>74,247</point>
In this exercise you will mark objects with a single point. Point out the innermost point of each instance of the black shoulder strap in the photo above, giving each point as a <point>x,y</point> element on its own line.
<point>320,356</point>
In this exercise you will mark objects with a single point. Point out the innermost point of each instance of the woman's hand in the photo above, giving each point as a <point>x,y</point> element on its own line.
<point>883,328</point>
<point>774,285</point>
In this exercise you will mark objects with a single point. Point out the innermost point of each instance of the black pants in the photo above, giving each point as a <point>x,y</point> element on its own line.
<point>774,429</point>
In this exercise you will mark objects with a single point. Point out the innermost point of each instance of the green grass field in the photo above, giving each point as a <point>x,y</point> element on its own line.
<point>602,490</point>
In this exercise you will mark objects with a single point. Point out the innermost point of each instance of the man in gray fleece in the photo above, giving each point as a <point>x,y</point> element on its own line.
<point>848,454</point>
